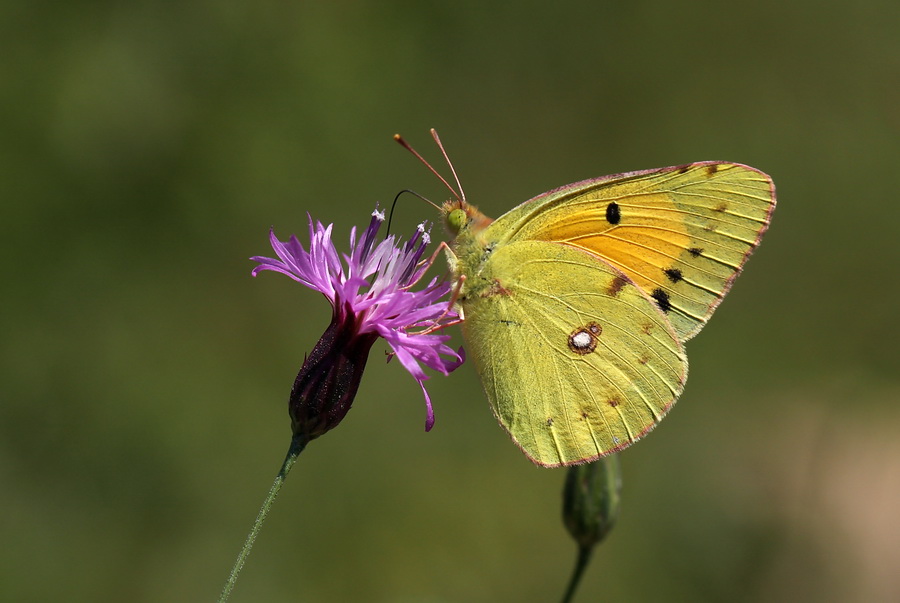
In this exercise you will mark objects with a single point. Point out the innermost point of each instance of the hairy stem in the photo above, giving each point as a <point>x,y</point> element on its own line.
<point>297,445</point>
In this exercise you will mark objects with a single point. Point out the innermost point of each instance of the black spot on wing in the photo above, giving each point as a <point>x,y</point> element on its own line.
<point>695,251</point>
<point>662,299</point>
<point>674,274</point>
<point>613,215</point>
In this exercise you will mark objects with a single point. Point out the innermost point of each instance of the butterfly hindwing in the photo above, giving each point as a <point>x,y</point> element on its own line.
<point>682,234</point>
<point>575,359</point>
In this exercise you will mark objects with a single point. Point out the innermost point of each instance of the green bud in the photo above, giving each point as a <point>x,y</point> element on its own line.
<point>591,500</point>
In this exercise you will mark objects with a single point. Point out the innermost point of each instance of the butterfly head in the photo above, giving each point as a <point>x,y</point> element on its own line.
<point>460,217</point>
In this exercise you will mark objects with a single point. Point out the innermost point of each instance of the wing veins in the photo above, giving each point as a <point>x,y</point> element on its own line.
<point>673,258</point>
<point>621,330</point>
<point>536,328</point>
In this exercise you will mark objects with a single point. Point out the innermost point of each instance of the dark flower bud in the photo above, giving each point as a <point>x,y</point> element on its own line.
<point>326,384</point>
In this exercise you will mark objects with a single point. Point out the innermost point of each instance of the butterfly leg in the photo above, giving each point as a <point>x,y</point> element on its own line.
<point>438,325</point>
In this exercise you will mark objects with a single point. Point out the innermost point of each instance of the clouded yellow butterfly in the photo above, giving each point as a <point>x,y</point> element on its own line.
<point>577,303</point>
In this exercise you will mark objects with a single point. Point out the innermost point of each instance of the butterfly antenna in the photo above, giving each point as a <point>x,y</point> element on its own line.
<point>394,204</point>
<point>409,148</point>
<point>437,139</point>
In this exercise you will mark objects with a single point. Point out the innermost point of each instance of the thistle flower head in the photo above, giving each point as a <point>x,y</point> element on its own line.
<point>370,291</point>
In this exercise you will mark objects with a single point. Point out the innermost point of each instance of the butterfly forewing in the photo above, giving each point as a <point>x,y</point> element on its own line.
<point>576,360</point>
<point>682,234</point>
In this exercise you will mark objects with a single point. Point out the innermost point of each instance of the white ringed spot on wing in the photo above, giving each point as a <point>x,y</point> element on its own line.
<point>583,340</point>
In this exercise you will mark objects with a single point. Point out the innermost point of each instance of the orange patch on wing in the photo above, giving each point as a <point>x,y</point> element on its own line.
<point>645,241</point>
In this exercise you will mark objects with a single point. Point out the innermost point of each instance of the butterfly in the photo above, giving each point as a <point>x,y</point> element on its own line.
<point>576,304</point>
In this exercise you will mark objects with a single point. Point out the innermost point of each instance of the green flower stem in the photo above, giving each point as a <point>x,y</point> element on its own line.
<point>297,445</point>
<point>584,556</point>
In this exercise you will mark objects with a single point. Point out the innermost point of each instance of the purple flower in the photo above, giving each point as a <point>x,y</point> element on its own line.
<point>370,294</point>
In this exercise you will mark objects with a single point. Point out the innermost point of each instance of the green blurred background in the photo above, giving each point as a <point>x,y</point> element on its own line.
<point>147,147</point>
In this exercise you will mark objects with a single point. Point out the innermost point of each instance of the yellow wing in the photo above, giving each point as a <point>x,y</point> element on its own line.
<point>577,361</point>
<point>682,234</point>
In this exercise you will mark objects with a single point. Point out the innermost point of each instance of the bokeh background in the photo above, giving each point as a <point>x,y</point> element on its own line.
<point>147,147</point>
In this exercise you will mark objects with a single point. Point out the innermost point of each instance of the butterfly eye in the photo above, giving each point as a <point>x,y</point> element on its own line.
<point>456,219</point>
